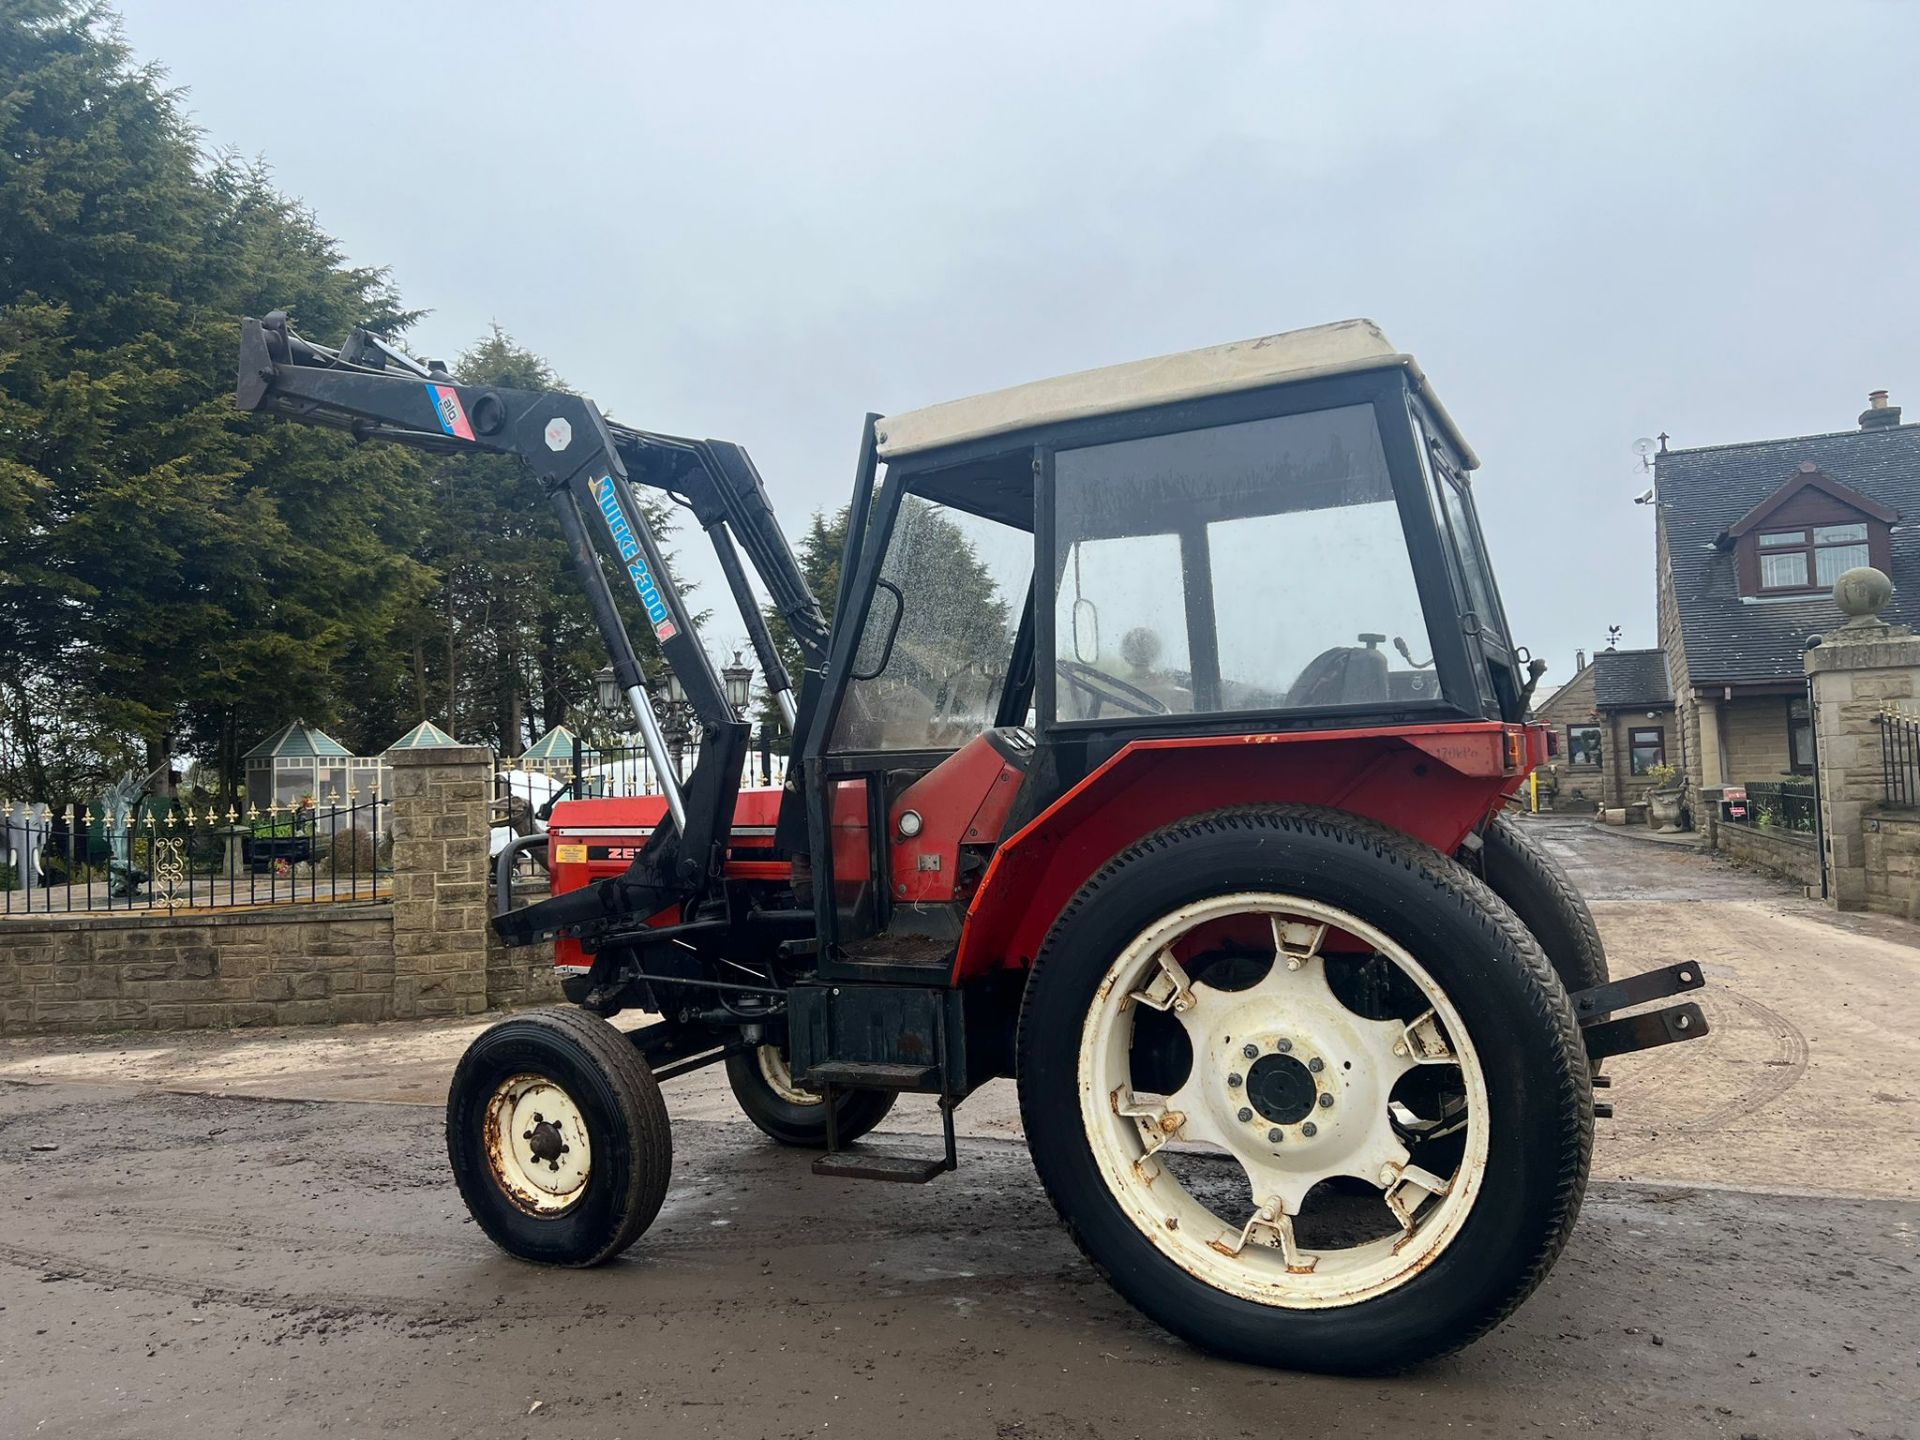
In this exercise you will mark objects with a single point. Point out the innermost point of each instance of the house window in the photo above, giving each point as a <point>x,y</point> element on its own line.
<point>1646,749</point>
<point>1583,745</point>
<point>1800,737</point>
<point>1812,557</point>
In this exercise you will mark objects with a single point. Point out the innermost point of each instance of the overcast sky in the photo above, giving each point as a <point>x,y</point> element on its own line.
<point>758,222</point>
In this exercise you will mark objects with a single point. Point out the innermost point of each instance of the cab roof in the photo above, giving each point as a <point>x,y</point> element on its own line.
<point>1341,348</point>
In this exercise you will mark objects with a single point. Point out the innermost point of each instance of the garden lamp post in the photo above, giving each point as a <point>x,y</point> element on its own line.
<point>738,678</point>
<point>675,718</point>
<point>606,690</point>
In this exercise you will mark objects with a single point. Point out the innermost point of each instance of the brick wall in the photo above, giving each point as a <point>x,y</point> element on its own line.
<point>298,966</point>
<point>428,953</point>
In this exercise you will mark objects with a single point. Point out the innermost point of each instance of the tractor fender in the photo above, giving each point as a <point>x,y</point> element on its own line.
<point>1435,783</point>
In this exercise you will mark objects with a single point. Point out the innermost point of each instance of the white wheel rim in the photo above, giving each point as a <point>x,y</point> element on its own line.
<point>1291,1012</point>
<point>779,1077</point>
<point>537,1145</point>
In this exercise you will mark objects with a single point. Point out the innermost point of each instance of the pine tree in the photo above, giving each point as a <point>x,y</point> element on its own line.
<point>178,576</point>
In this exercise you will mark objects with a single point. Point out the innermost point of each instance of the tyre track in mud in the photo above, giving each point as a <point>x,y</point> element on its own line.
<point>1668,1066</point>
<point>728,1238</point>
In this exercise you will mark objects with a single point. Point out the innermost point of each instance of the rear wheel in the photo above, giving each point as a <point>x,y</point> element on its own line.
<point>763,1084</point>
<point>1545,898</point>
<point>1305,1090</point>
<point>558,1137</point>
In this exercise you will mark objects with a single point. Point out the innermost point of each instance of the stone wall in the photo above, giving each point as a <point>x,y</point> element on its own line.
<point>1860,669</point>
<point>1892,845</point>
<point>1757,739</point>
<point>1623,786</point>
<point>441,825</point>
<point>299,965</point>
<point>428,953</point>
<point>1785,853</point>
<point>1577,788</point>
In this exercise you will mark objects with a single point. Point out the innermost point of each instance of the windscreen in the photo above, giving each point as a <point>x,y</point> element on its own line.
<point>1256,566</point>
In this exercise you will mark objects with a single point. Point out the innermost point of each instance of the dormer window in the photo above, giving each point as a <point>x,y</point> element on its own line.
<point>1806,535</point>
<point>1814,557</point>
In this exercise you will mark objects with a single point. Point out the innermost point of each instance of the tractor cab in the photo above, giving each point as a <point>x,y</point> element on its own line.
<point>1270,536</point>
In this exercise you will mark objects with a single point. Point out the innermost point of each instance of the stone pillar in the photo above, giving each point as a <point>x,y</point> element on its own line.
<point>1858,670</point>
<point>441,823</point>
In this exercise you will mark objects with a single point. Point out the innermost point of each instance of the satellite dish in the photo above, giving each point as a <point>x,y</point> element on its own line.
<point>1643,447</point>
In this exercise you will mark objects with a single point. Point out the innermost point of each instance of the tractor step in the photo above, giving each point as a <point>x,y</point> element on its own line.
<point>873,1075</point>
<point>873,1165</point>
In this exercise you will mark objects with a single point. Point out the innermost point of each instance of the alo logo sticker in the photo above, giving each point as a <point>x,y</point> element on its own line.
<point>447,410</point>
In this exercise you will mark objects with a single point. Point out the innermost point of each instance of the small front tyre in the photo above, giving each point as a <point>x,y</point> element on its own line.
<point>558,1137</point>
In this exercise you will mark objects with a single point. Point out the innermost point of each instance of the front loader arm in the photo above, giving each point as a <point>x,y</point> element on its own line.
<point>376,393</point>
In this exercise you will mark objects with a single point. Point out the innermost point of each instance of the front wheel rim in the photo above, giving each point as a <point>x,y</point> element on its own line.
<point>537,1146</point>
<point>1292,1086</point>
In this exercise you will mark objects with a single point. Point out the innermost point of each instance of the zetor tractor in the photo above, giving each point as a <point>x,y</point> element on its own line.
<point>1155,759</point>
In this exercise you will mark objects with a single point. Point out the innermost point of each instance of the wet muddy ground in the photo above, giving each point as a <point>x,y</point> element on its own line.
<point>207,1264</point>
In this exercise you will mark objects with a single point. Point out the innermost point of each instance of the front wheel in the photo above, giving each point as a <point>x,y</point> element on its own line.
<point>1305,1090</point>
<point>558,1137</point>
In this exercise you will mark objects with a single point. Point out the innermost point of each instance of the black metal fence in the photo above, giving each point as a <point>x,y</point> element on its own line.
<point>1900,757</point>
<point>1788,807</point>
<point>162,854</point>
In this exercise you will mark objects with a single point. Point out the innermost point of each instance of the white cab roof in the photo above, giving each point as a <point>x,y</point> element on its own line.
<point>1321,350</point>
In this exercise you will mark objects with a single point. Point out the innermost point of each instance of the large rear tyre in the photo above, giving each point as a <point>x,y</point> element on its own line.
<point>1545,898</point>
<point>764,1086</point>
<point>558,1137</point>
<point>1248,1017</point>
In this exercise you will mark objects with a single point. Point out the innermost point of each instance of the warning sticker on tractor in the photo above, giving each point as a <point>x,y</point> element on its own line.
<point>449,412</point>
<point>569,854</point>
<point>608,499</point>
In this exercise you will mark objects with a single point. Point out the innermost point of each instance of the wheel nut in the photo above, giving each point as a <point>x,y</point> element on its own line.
<point>1309,1129</point>
<point>1316,1064</point>
<point>1326,1099</point>
<point>1250,1051</point>
<point>1245,1114</point>
<point>1276,1135</point>
<point>1233,1081</point>
<point>1283,1045</point>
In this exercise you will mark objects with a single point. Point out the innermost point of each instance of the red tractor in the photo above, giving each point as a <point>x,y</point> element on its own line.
<point>1116,775</point>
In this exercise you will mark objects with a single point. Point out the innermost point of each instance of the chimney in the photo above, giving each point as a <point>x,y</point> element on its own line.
<point>1579,661</point>
<point>1879,414</point>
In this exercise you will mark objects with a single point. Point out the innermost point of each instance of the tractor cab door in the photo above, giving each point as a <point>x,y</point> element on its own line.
<point>942,608</point>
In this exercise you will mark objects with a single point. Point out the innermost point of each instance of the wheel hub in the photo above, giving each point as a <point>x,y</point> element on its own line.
<point>537,1145</point>
<point>545,1142</point>
<point>1281,1089</point>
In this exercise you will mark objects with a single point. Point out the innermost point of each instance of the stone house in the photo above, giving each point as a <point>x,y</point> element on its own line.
<point>1611,722</point>
<point>1749,540</point>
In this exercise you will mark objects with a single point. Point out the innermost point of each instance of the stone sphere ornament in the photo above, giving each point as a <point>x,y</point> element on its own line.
<point>1862,592</point>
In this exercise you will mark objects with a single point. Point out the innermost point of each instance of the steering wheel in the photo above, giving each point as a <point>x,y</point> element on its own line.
<point>1101,686</point>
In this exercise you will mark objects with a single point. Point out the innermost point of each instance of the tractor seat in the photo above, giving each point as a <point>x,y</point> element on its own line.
<point>1344,675</point>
